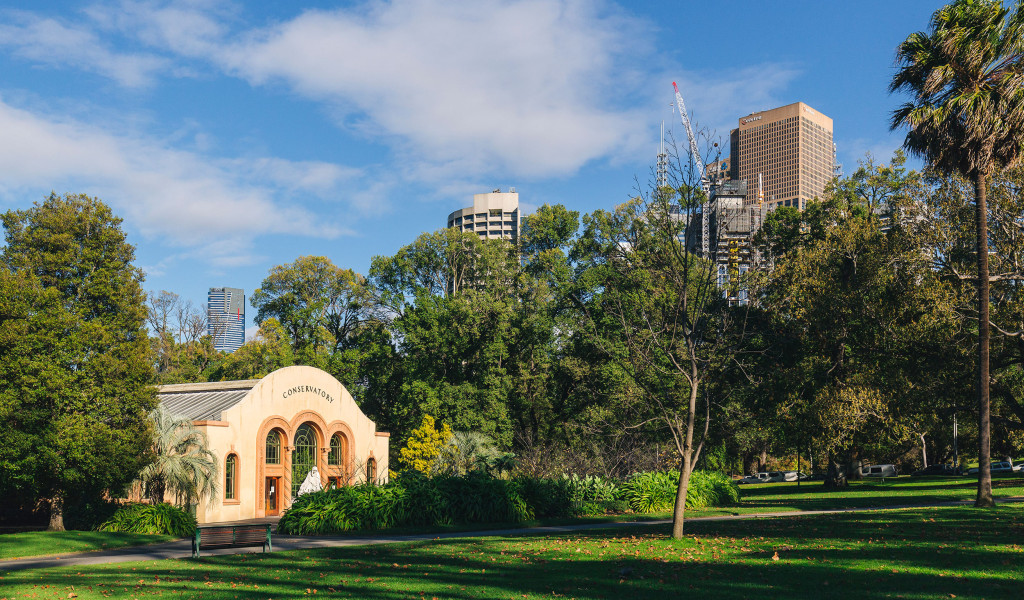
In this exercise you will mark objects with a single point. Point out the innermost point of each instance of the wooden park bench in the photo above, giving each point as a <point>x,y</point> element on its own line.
<point>231,536</point>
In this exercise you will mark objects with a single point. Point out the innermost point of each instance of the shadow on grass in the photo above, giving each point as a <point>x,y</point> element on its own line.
<point>912,553</point>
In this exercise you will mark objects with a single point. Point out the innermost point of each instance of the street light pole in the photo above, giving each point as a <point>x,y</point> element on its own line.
<point>956,457</point>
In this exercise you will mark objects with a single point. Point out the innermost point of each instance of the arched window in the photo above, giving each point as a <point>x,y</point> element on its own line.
<point>304,456</point>
<point>371,470</point>
<point>273,448</point>
<point>230,477</point>
<point>337,453</point>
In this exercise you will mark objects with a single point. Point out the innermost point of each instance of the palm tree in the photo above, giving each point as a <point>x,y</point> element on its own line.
<point>183,464</point>
<point>967,118</point>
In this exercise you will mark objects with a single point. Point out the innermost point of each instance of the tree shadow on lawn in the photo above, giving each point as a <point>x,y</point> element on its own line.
<point>817,497</point>
<point>818,557</point>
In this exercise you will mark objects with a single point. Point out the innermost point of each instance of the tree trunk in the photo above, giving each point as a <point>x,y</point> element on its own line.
<point>984,497</point>
<point>679,509</point>
<point>686,465</point>
<point>834,478</point>
<point>924,452</point>
<point>56,513</point>
<point>156,490</point>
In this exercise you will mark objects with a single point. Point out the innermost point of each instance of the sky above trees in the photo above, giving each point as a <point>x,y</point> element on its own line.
<point>233,137</point>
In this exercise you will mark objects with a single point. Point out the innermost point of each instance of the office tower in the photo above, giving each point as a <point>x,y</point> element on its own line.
<point>493,216</point>
<point>225,318</point>
<point>790,147</point>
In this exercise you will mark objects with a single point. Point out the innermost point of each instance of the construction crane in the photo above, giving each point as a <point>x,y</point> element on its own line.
<point>695,152</point>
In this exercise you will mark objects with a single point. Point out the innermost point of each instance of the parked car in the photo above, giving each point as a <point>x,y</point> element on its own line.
<point>1002,467</point>
<point>879,471</point>
<point>787,476</point>
<point>947,470</point>
<point>761,477</point>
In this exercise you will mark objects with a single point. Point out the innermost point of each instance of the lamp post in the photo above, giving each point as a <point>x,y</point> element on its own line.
<point>956,458</point>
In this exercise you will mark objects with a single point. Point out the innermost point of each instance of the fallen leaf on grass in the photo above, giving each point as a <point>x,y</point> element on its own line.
<point>775,556</point>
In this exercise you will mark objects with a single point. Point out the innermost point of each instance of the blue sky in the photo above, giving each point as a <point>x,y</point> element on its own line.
<point>233,137</point>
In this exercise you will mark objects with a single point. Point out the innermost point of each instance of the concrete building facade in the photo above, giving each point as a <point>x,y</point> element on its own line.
<point>269,434</point>
<point>493,216</point>
<point>790,147</point>
<point>225,318</point>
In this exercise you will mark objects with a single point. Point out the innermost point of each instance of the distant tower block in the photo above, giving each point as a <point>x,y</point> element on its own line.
<point>493,216</point>
<point>225,318</point>
<point>790,147</point>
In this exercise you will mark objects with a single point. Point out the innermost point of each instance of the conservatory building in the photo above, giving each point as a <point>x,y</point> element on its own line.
<point>296,428</point>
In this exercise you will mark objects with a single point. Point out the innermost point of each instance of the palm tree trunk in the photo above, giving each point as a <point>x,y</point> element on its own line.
<point>984,497</point>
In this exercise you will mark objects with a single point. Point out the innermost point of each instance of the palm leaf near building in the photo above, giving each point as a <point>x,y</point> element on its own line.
<point>183,466</point>
<point>967,118</point>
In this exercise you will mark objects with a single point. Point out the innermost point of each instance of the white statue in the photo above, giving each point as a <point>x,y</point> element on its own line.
<point>311,483</point>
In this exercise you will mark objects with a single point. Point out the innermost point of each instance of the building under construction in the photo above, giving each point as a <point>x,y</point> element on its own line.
<point>778,157</point>
<point>732,224</point>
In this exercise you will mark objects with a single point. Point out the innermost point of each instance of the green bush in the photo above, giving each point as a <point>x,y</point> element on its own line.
<point>154,519</point>
<point>656,491</point>
<point>410,499</point>
<point>649,492</point>
<point>711,488</point>
<point>414,499</point>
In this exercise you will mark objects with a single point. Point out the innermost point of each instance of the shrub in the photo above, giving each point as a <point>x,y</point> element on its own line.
<point>413,499</point>
<point>656,491</point>
<point>410,499</point>
<point>154,519</point>
<point>711,488</point>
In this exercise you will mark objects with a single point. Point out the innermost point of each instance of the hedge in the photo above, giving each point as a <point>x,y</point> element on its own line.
<point>413,499</point>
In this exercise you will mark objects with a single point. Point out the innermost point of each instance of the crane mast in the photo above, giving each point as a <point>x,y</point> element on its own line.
<point>695,152</point>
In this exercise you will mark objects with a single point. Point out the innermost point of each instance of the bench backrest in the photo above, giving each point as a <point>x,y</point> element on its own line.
<point>233,535</point>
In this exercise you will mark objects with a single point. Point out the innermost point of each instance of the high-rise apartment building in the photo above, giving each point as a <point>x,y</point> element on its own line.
<point>225,318</point>
<point>790,148</point>
<point>493,216</point>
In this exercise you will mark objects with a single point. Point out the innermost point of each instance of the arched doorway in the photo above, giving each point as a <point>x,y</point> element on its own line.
<point>271,492</point>
<point>304,456</point>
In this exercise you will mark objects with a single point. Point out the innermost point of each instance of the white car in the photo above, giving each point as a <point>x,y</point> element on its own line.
<point>761,477</point>
<point>998,467</point>
<point>879,471</point>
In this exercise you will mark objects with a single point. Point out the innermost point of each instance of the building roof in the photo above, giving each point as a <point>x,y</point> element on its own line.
<point>203,401</point>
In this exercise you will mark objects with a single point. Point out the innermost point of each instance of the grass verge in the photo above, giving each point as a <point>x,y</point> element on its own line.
<point>948,552</point>
<point>41,543</point>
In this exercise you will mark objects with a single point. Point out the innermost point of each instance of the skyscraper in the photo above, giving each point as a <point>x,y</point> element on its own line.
<point>225,318</point>
<point>790,147</point>
<point>493,216</point>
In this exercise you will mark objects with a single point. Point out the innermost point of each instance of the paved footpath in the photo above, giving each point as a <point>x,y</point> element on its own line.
<point>183,548</point>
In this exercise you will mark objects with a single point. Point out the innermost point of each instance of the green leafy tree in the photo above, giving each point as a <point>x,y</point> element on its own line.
<point>320,305</point>
<point>268,351</point>
<point>967,117</point>
<point>656,308</point>
<point>449,306</point>
<point>75,393</point>
<point>182,465</point>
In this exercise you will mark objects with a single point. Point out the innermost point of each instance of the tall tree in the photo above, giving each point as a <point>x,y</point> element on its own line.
<point>319,304</point>
<point>657,307</point>
<point>967,78</point>
<point>76,407</point>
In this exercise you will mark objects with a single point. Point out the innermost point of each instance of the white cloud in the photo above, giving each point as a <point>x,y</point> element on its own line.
<point>54,43</point>
<point>185,27</point>
<point>217,205</point>
<point>523,87</point>
<point>718,99</point>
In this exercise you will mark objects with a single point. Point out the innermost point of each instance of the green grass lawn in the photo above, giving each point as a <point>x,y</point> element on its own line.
<point>901,491</point>
<point>920,553</point>
<point>39,543</point>
<point>772,497</point>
